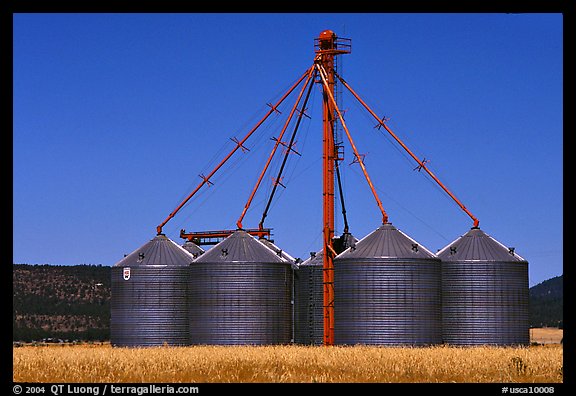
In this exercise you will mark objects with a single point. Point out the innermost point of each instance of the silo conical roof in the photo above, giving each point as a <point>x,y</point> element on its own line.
<point>277,250</point>
<point>340,244</point>
<point>314,259</point>
<point>477,245</point>
<point>240,247</point>
<point>160,250</point>
<point>192,248</point>
<point>386,241</point>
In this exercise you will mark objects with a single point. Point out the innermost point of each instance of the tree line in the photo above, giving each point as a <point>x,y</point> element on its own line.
<point>61,302</point>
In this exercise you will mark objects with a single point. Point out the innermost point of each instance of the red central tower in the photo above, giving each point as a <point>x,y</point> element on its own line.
<point>327,46</point>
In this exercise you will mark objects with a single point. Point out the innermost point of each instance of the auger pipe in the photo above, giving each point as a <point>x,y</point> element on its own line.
<point>278,142</point>
<point>341,193</point>
<point>358,157</point>
<point>298,120</point>
<point>421,164</point>
<point>239,144</point>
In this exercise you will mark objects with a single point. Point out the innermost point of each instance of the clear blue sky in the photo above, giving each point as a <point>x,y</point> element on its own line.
<point>116,115</point>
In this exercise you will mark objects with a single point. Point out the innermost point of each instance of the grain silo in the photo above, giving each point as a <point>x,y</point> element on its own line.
<point>149,304</point>
<point>308,301</point>
<point>387,292</point>
<point>240,294</point>
<point>309,296</point>
<point>484,292</point>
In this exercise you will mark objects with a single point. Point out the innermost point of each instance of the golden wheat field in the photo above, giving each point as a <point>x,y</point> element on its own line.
<point>546,335</point>
<point>203,364</point>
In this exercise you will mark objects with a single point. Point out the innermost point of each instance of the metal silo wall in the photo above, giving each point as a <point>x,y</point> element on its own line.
<point>485,303</point>
<point>308,305</point>
<point>240,303</point>
<point>387,301</point>
<point>151,307</point>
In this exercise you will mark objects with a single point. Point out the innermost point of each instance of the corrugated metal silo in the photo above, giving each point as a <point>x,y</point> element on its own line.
<point>484,292</point>
<point>309,301</point>
<point>387,292</point>
<point>149,303</point>
<point>309,294</point>
<point>240,294</point>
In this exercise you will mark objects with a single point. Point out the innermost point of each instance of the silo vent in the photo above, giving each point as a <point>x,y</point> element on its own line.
<point>452,250</point>
<point>415,247</point>
<point>224,252</point>
<point>511,251</point>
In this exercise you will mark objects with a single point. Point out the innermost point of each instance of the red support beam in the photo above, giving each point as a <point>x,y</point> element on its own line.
<point>421,164</point>
<point>278,142</point>
<point>358,158</point>
<point>239,144</point>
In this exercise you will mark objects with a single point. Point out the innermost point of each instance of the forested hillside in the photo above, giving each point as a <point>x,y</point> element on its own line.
<point>546,303</point>
<point>62,302</point>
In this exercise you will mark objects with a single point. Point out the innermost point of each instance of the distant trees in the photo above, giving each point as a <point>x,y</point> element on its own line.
<point>547,303</point>
<point>66,302</point>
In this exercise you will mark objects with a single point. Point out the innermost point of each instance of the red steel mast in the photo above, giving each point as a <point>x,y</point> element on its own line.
<point>327,46</point>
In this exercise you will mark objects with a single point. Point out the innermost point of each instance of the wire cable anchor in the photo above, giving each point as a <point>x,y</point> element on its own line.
<point>358,158</point>
<point>277,181</point>
<point>287,147</point>
<point>421,165</point>
<point>381,122</point>
<point>240,145</point>
<point>274,108</point>
<point>206,180</point>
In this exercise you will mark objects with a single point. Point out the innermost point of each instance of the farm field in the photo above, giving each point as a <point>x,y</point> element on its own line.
<point>302,364</point>
<point>546,335</point>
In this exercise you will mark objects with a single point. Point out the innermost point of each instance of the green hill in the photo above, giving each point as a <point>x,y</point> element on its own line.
<point>546,303</point>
